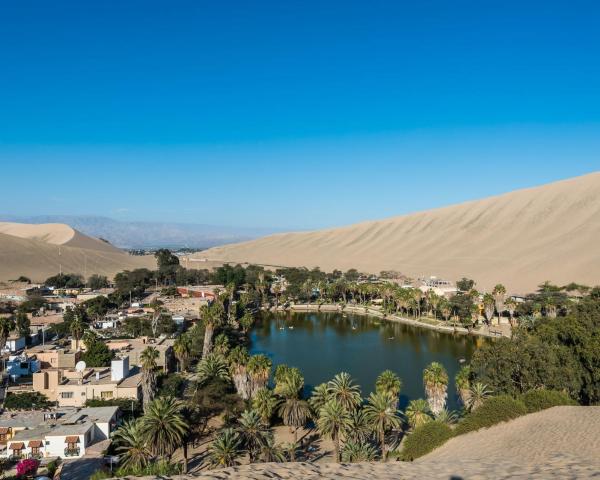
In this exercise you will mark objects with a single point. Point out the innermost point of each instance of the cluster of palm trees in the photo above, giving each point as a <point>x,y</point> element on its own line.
<point>359,428</point>
<point>154,437</point>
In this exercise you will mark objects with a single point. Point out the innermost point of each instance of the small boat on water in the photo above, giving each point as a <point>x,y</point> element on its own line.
<point>291,327</point>
<point>461,360</point>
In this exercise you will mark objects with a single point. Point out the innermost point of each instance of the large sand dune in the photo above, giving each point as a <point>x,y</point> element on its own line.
<point>520,239</point>
<point>40,251</point>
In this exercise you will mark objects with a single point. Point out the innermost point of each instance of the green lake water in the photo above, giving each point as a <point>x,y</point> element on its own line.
<point>323,344</point>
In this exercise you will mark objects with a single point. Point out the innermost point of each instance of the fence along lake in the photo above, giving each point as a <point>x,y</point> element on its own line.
<point>324,344</point>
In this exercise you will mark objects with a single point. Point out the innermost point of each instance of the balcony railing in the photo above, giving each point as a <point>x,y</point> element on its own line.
<point>18,456</point>
<point>71,452</point>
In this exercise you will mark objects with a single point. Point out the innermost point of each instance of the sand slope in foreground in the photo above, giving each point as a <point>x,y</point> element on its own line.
<point>561,442</point>
<point>40,251</point>
<point>520,239</point>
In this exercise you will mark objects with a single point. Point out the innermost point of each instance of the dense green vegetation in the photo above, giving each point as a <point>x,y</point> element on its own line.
<point>493,410</point>
<point>425,439</point>
<point>27,401</point>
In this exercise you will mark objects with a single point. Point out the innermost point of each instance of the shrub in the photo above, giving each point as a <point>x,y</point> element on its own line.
<point>493,410</point>
<point>52,467</point>
<point>540,399</point>
<point>27,401</point>
<point>424,439</point>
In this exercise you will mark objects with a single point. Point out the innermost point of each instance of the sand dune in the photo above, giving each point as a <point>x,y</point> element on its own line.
<point>40,251</point>
<point>521,239</point>
<point>561,442</point>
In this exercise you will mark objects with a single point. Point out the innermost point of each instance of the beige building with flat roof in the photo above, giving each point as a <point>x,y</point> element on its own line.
<point>134,347</point>
<point>72,389</point>
<point>52,356</point>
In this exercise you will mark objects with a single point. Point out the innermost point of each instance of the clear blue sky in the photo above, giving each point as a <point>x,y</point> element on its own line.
<point>211,112</point>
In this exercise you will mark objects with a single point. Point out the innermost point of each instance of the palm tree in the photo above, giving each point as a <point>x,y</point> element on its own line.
<point>259,370</point>
<point>435,380</point>
<point>354,452</point>
<point>489,306</point>
<point>132,447</point>
<point>76,328</point>
<point>238,363</point>
<point>463,384</point>
<point>264,403</point>
<point>511,308</point>
<point>230,293</point>
<point>246,322</point>
<point>212,367</point>
<point>343,389</point>
<point>253,433</point>
<point>212,316</point>
<point>418,413</point>
<point>225,449</point>
<point>499,294</point>
<point>360,428</point>
<point>148,359</point>
<point>390,384</point>
<point>163,426</point>
<point>382,415</point>
<point>334,420</point>
<point>320,396</point>
<point>293,410</point>
<point>449,417</point>
<point>478,393</point>
<point>7,325</point>
<point>270,452</point>
<point>182,347</point>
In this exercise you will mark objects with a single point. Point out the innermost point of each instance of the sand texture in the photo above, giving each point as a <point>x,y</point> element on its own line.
<point>40,251</point>
<point>562,442</point>
<point>521,239</point>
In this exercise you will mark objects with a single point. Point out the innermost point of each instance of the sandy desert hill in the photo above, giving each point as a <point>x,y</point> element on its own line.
<point>520,239</point>
<point>40,251</point>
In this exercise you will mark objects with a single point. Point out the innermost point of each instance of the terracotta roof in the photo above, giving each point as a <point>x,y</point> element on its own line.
<point>72,439</point>
<point>35,443</point>
<point>3,430</point>
<point>16,446</point>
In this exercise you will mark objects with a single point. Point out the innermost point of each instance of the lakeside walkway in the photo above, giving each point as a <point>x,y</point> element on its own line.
<point>483,331</point>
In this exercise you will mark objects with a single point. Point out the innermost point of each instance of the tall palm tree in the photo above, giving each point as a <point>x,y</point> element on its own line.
<point>253,433</point>
<point>435,380</point>
<point>418,413</point>
<point>163,426</point>
<point>7,325</point>
<point>343,389</point>
<point>259,370</point>
<point>293,410</point>
<point>334,421</point>
<point>148,359</point>
<point>212,367</point>
<point>230,293</point>
<point>390,384</point>
<point>477,395</point>
<point>212,316</point>
<point>238,366</point>
<point>221,345</point>
<point>355,452</point>
<point>225,449</point>
<point>76,328</point>
<point>489,306</point>
<point>182,347</point>
<point>463,384</point>
<point>499,294</point>
<point>132,446</point>
<point>511,308</point>
<point>264,403</point>
<point>246,322</point>
<point>382,415</point>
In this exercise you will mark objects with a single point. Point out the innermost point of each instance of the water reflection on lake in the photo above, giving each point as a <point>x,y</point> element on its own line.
<point>323,344</point>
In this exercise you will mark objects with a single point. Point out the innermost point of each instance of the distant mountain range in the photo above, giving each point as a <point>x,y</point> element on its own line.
<point>125,234</point>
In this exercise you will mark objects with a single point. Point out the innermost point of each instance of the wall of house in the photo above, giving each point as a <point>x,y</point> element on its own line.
<point>56,445</point>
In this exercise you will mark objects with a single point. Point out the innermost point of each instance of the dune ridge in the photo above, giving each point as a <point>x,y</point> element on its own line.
<point>40,251</point>
<point>521,239</point>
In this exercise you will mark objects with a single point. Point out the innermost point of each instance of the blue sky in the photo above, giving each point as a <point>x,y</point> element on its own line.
<point>291,114</point>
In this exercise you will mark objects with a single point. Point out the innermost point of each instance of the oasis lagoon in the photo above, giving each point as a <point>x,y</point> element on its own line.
<point>324,344</point>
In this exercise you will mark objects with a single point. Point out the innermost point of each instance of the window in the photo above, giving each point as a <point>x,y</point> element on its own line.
<point>105,395</point>
<point>35,450</point>
<point>66,394</point>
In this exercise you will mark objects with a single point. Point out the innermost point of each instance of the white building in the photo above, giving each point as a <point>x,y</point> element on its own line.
<point>14,344</point>
<point>64,433</point>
